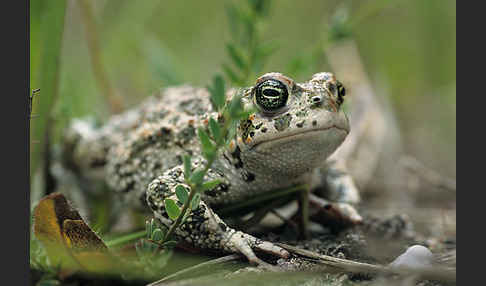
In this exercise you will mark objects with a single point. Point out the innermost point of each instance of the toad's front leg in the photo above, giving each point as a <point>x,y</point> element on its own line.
<point>204,229</point>
<point>340,195</point>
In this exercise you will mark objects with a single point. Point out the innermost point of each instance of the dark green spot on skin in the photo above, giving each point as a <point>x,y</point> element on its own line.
<point>246,126</point>
<point>300,124</point>
<point>301,113</point>
<point>314,123</point>
<point>174,120</point>
<point>237,155</point>
<point>156,116</point>
<point>210,193</point>
<point>223,187</point>
<point>264,129</point>
<point>259,125</point>
<point>186,134</point>
<point>247,176</point>
<point>282,122</point>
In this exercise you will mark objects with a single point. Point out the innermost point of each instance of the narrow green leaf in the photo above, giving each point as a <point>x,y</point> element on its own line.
<point>153,225</point>
<point>235,107</point>
<point>181,193</point>
<point>235,80</point>
<point>210,185</point>
<point>187,166</point>
<point>231,133</point>
<point>217,91</point>
<point>204,137</point>
<point>163,229</point>
<point>197,177</point>
<point>148,227</point>
<point>157,235</point>
<point>170,244</point>
<point>206,144</point>
<point>215,130</point>
<point>195,201</point>
<point>172,209</point>
<point>237,56</point>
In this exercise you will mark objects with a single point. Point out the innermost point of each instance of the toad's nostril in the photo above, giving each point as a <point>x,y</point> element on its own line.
<point>316,99</point>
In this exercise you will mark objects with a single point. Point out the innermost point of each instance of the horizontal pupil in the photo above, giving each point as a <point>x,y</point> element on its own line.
<point>271,92</point>
<point>271,95</point>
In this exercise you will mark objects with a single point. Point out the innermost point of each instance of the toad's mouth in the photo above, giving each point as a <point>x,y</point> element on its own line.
<point>287,137</point>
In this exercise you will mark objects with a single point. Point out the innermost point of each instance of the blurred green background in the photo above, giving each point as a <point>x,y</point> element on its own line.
<point>408,48</point>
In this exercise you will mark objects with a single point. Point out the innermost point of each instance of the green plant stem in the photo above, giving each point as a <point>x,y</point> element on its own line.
<point>186,205</point>
<point>126,238</point>
<point>262,198</point>
<point>51,28</point>
<point>195,188</point>
<point>212,263</point>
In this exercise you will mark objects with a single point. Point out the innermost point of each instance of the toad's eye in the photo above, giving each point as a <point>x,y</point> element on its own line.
<point>341,92</point>
<point>271,95</point>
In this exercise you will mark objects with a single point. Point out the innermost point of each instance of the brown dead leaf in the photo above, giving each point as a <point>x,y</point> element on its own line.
<point>68,240</point>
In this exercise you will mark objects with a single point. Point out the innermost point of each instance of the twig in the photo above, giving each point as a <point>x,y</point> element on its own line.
<point>115,103</point>
<point>428,174</point>
<point>213,262</point>
<point>31,99</point>
<point>259,199</point>
<point>432,273</point>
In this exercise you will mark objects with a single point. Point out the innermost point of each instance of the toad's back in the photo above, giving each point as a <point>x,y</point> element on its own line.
<point>134,147</point>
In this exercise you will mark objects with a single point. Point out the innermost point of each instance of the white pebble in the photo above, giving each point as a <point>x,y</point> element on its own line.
<point>416,256</point>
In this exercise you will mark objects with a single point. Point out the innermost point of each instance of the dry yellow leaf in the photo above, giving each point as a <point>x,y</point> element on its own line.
<point>68,240</point>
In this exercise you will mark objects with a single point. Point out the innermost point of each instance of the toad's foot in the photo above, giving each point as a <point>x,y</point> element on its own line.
<point>337,213</point>
<point>341,193</point>
<point>246,244</point>
<point>203,228</point>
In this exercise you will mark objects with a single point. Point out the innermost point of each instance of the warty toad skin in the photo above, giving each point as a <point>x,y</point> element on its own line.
<point>285,142</point>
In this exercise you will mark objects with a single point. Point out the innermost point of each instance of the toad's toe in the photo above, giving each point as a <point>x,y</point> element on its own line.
<point>271,248</point>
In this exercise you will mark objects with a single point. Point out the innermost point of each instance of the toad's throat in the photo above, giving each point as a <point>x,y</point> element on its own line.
<point>300,134</point>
